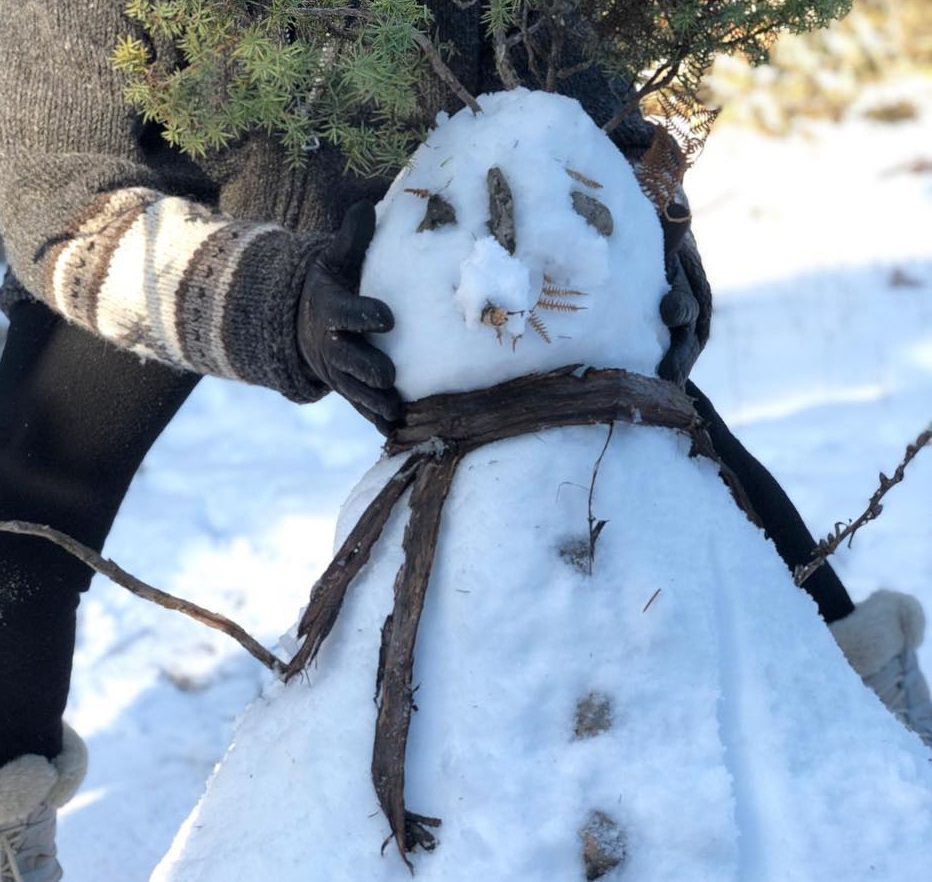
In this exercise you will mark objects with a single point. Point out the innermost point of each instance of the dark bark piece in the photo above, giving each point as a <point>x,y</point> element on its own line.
<point>439,213</point>
<point>329,591</point>
<point>594,212</point>
<point>594,714</point>
<point>431,486</point>
<point>605,845</point>
<point>501,210</point>
<point>568,396</point>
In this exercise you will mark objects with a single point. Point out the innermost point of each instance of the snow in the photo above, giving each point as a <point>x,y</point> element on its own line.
<point>821,360</point>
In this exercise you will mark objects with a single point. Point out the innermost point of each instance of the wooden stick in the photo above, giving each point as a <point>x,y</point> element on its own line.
<point>126,580</point>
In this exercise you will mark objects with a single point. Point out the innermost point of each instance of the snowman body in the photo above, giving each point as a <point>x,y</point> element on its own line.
<point>653,700</point>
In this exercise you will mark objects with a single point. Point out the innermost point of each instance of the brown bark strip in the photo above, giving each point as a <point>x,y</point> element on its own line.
<point>330,589</point>
<point>568,396</point>
<point>431,486</point>
<point>136,586</point>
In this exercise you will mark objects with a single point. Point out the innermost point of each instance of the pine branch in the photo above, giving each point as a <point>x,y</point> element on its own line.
<point>828,546</point>
<point>440,67</point>
<point>126,580</point>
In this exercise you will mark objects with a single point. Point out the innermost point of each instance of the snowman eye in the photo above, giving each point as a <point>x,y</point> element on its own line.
<point>594,212</point>
<point>439,213</point>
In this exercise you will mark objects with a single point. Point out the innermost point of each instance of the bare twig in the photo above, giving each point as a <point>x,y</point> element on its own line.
<point>828,546</point>
<point>553,56</point>
<point>126,580</point>
<point>596,525</point>
<point>503,64</point>
<point>650,602</point>
<point>659,79</point>
<point>444,73</point>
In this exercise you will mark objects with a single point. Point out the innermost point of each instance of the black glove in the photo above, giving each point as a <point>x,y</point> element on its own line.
<point>687,307</point>
<point>332,319</point>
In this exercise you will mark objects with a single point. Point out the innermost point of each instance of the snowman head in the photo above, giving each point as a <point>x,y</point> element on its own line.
<point>517,241</point>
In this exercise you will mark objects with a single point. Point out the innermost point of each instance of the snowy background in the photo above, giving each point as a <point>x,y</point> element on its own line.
<point>818,250</point>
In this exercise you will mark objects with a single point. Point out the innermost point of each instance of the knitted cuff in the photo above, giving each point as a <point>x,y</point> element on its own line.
<point>259,328</point>
<point>169,279</point>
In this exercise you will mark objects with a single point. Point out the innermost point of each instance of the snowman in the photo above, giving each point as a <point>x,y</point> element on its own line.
<point>613,674</point>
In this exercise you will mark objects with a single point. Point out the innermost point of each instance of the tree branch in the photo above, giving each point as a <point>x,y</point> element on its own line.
<point>119,576</point>
<point>828,546</point>
<point>424,43</point>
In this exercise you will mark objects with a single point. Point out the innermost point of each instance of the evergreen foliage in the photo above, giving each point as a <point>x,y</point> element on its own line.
<point>347,71</point>
<point>303,71</point>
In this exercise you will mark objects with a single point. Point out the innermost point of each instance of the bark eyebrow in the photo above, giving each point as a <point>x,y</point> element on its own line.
<point>594,212</point>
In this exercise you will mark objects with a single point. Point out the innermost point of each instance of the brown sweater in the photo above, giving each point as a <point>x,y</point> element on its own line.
<point>196,264</point>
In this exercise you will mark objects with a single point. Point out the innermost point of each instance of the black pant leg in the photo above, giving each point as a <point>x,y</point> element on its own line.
<point>77,416</point>
<point>779,516</point>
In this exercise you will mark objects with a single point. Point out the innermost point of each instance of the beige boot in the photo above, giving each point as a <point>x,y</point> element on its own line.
<point>32,789</point>
<point>879,639</point>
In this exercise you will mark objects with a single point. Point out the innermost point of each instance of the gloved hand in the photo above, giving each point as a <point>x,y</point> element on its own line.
<point>332,319</point>
<point>687,307</point>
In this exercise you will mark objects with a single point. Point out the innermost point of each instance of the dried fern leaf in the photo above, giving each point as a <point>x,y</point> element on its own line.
<point>579,176</point>
<point>549,289</point>
<point>539,327</point>
<point>557,305</point>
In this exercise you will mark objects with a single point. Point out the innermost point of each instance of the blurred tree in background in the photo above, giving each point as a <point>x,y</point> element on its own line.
<point>824,74</point>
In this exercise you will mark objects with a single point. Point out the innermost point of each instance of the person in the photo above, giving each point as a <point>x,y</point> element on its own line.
<point>134,271</point>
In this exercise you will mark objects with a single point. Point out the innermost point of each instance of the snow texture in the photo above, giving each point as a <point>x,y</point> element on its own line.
<point>735,743</point>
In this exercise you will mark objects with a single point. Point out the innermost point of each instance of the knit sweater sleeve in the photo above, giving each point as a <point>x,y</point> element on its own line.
<point>112,246</point>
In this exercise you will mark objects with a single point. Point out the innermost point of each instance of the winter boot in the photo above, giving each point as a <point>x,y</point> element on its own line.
<point>32,789</point>
<point>879,639</point>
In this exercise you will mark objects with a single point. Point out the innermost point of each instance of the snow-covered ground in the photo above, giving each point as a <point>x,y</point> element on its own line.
<point>821,360</point>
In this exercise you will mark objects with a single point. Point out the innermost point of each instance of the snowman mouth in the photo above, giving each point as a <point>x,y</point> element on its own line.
<point>552,298</point>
